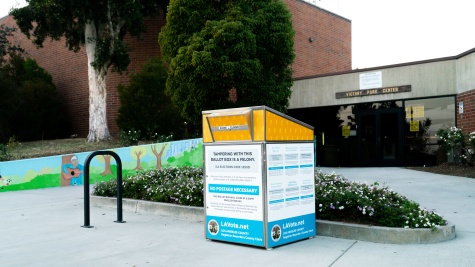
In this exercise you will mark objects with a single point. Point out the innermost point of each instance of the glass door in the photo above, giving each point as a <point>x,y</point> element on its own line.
<point>380,137</point>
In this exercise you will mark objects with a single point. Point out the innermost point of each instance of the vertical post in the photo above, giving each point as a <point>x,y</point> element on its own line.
<point>87,211</point>
<point>119,191</point>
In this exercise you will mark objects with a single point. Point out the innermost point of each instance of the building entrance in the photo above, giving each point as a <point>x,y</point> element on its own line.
<point>380,137</point>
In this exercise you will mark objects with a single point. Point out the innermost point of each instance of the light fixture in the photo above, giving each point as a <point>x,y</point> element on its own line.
<point>311,39</point>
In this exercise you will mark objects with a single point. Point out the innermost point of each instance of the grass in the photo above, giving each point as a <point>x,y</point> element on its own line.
<point>25,150</point>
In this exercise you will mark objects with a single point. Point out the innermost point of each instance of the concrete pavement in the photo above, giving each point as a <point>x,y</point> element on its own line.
<point>43,228</point>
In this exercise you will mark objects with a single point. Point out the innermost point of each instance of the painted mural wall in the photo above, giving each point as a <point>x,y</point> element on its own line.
<point>68,170</point>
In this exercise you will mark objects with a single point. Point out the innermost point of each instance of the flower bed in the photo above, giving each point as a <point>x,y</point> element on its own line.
<point>183,185</point>
<point>337,199</point>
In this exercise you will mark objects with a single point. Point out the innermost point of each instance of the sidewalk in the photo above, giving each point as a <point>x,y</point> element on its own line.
<point>43,228</point>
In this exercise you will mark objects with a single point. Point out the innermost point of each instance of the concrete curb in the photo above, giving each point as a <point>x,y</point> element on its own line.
<point>186,213</point>
<point>387,235</point>
<point>376,234</point>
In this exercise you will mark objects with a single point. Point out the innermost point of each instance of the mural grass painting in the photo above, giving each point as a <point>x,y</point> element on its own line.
<point>68,170</point>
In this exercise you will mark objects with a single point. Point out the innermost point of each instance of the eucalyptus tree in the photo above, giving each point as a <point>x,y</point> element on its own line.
<point>98,25</point>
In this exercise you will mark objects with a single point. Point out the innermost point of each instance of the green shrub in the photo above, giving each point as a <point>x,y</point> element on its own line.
<point>40,111</point>
<point>144,105</point>
<point>4,155</point>
<point>450,138</point>
<point>130,137</point>
<point>30,107</point>
<point>8,107</point>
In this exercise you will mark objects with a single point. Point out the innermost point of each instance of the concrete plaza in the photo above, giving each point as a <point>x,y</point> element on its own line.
<point>43,228</point>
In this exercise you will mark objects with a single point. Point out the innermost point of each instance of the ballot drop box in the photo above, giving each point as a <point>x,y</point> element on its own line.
<point>259,177</point>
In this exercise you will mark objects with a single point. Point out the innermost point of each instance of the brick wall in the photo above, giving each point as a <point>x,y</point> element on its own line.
<point>330,52</point>
<point>466,121</point>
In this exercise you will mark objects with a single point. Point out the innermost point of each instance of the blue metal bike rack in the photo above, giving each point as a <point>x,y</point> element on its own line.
<point>87,211</point>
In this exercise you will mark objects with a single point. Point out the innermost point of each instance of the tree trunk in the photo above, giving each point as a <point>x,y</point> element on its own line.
<point>107,161</point>
<point>98,129</point>
<point>138,154</point>
<point>158,155</point>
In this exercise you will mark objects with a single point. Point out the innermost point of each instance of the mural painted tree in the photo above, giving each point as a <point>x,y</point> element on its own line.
<point>158,155</point>
<point>107,161</point>
<point>137,153</point>
<point>99,26</point>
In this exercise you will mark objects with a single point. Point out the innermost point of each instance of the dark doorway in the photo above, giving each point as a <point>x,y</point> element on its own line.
<point>380,137</point>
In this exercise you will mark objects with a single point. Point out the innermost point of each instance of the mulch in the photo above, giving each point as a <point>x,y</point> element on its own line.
<point>449,168</point>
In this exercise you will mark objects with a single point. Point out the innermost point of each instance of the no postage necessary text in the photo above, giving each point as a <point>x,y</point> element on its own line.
<point>229,189</point>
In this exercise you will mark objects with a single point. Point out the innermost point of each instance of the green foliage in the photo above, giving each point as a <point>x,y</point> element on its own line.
<point>5,46</point>
<point>156,138</point>
<point>144,105</point>
<point>471,140</point>
<point>418,140</point>
<point>130,137</point>
<point>181,185</point>
<point>213,47</point>
<point>29,102</point>
<point>37,104</point>
<point>338,199</point>
<point>8,107</point>
<point>4,155</point>
<point>111,20</point>
<point>450,138</point>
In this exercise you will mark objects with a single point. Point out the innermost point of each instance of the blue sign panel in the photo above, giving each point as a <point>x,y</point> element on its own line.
<point>291,229</point>
<point>235,230</point>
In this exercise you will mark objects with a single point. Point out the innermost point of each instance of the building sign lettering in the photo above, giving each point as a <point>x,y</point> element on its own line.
<point>377,91</point>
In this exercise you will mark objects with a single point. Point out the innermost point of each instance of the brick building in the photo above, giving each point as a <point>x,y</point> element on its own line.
<point>322,45</point>
<point>381,116</point>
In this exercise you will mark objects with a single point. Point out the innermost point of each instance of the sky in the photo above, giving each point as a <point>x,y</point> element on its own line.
<point>386,32</point>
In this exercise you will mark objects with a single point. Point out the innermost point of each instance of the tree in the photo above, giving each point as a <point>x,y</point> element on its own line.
<point>158,155</point>
<point>99,26</point>
<point>29,102</point>
<point>144,105</point>
<point>5,46</point>
<point>8,106</point>
<point>8,89</point>
<point>138,152</point>
<point>214,48</point>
